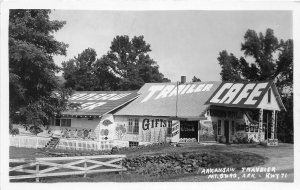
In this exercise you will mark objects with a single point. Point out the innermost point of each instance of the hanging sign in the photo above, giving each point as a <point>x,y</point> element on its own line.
<point>272,142</point>
<point>239,94</point>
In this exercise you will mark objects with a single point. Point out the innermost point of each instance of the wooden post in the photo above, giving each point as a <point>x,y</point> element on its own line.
<point>37,179</point>
<point>276,114</point>
<point>260,124</point>
<point>267,113</point>
<point>273,125</point>
<point>85,166</point>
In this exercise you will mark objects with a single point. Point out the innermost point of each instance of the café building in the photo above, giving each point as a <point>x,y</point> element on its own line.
<point>212,111</point>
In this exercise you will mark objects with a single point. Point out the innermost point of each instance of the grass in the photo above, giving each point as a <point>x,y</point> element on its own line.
<point>249,152</point>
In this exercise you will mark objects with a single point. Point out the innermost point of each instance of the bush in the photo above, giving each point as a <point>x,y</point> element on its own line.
<point>245,140</point>
<point>234,139</point>
<point>263,143</point>
<point>14,131</point>
<point>35,129</point>
<point>222,139</point>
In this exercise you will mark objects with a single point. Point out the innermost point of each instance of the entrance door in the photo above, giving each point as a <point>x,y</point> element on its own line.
<point>189,129</point>
<point>226,130</point>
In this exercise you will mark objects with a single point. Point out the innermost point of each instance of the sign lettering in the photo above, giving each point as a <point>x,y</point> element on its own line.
<point>164,91</point>
<point>154,123</point>
<point>241,94</point>
<point>272,142</point>
<point>94,96</point>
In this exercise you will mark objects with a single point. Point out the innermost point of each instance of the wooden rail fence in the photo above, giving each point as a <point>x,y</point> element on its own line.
<point>62,166</point>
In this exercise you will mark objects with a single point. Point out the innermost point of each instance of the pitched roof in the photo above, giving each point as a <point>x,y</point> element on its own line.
<point>98,103</point>
<point>159,99</point>
<point>243,94</point>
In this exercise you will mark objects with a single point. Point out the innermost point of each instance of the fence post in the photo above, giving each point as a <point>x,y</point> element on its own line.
<point>85,166</point>
<point>37,179</point>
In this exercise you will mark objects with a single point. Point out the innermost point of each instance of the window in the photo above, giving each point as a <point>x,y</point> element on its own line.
<point>169,129</point>
<point>136,126</point>
<point>130,125</point>
<point>232,127</point>
<point>65,122</point>
<point>62,122</point>
<point>133,143</point>
<point>269,95</point>
<point>219,127</point>
<point>57,122</point>
<point>133,126</point>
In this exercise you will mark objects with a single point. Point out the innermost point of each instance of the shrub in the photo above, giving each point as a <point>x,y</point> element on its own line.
<point>14,131</point>
<point>245,140</point>
<point>234,139</point>
<point>222,139</point>
<point>251,141</point>
<point>35,129</point>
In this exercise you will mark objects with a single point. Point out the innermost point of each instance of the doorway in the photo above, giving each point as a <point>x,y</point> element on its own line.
<point>189,129</point>
<point>226,130</point>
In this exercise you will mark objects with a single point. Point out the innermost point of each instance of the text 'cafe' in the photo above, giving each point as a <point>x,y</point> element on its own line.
<point>199,112</point>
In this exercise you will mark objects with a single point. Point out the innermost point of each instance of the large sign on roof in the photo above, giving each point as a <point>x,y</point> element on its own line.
<point>239,94</point>
<point>171,100</point>
<point>99,102</point>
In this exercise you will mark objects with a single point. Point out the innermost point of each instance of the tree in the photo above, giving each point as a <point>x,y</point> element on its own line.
<point>130,62</point>
<point>195,79</point>
<point>32,70</point>
<point>86,72</point>
<point>272,60</point>
<point>127,66</point>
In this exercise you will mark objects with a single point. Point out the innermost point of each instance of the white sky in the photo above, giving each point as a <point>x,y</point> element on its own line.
<point>182,42</point>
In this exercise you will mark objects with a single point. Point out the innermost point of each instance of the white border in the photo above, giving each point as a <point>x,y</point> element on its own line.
<point>143,5</point>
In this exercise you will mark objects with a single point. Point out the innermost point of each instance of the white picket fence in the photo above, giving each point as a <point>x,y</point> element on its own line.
<point>68,144</point>
<point>64,166</point>
<point>28,141</point>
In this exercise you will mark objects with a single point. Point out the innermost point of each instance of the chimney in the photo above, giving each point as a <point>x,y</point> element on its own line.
<point>183,79</point>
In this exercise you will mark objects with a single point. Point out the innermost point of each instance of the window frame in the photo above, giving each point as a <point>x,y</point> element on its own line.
<point>63,122</point>
<point>169,128</point>
<point>269,96</point>
<point>67,123</point>
<point>133,126</point>
<point>232,127</point>
<point>219,127</point>
<point>57,120</point>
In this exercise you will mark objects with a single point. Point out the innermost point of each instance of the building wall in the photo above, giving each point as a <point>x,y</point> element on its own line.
<point>81,128</point>
<point>84,123</point>
<point>150,129</point>
<point>272,105</point>
<point>243,128</point>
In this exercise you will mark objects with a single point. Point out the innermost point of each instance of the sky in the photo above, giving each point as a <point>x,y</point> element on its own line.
<point>183,42</point>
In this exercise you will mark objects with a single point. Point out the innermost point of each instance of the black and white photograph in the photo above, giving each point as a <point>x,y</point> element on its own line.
<point>136,94</point>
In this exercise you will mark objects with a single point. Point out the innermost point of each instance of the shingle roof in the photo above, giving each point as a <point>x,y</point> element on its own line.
<point>98,103</point>
<point>159,99</point>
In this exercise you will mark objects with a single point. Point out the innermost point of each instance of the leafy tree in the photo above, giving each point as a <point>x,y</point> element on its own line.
<point>195,79</point>
<point>31,67</point>
<point>78,71</point>
<point>86,72</point>
<point>127,66</point>
<point>130,62</point>
<point>271,59</point>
